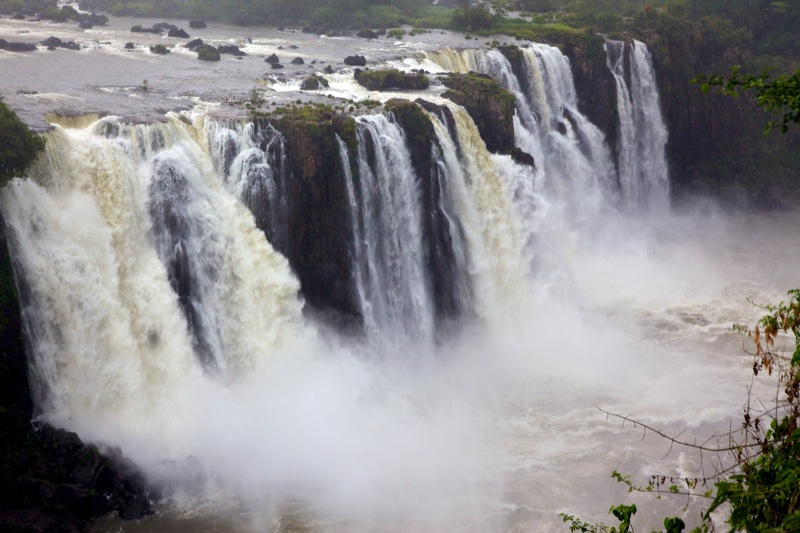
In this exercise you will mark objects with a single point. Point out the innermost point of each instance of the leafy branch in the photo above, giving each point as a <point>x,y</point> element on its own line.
<point>777,95</point>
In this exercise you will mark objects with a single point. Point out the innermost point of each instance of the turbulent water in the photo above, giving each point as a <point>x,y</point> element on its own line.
<point>163,320</point>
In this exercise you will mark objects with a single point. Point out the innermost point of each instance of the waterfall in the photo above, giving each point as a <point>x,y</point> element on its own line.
<point>140,271</point>
<point>641,157</point>
<point>573,161</point>
<point>397,296</point>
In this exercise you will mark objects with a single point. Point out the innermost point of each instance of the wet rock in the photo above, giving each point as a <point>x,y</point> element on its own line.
<point>18,16</point>
<point>164,26</point>
<point>491,107</point>
<point>129,46</point>
<point>385,79</point>
<point>313,82</point>
<point>355,61</point>
<point>16,47</point>
<point>198,24</point>
<point>194,44</point>
<point>367,34</point>
<point>207,52</point>
<point>277,66</point>
<point>86,25</point>
<point>138,28</point>
<point>52,41</point>
<point>273,58</point>
<point>180,33</point>
<point>159,49</point>
<point>298,61</point>
<point>231,49</point>
<point>293,46</point>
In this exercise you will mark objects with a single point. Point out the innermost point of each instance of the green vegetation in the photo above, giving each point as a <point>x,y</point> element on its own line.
<point>159,49</point>
<point>385,79</point>
<point>20,146</point>
<point>779,95</point>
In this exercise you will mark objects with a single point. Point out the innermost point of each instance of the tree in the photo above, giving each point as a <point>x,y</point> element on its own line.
<point>20,145</point>
<point>777,95</point>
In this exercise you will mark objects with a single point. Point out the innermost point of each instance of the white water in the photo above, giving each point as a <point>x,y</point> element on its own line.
<point>494,430</point>
<point>641,160</point>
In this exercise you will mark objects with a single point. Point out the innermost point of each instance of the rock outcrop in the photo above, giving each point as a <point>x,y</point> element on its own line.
<point>385,79</point>
<point>316,235</point>
<point>491,107</point>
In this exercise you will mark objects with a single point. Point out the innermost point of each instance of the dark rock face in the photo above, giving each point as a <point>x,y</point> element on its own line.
<point>491,107</point>
<point>180,33</point>
<point>316,237</point>
<point>272,58</point>
<point>231,49</point>
<point>595,85</point>
<point>382,80</point>
<point>16,47</point>
<point>49,479</point>
<point>197,24</point>
<point>298,61</point>
<point>355,61</point>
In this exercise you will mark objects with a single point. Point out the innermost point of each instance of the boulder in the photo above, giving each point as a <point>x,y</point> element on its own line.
<point>70,45</point>
<point>52,41</point>
<point>367,34</point>
<point>194,44</point>
<point>276,66</point>
<point>16,47</point>
<point>18,16</point>
<point>273,59</point>
<point>180,33</point>
<point>86,25</point>
<point>164,26</point>
<point>231,49</point>
<point>197,24</point>
<point>355,61</point>
<point>298,61</point>
<point>313,82</point>
<point>128,46</point>
<point>207,52</point>
<point>138,28</point>
<point>159,49</point>
<point>385,79</point>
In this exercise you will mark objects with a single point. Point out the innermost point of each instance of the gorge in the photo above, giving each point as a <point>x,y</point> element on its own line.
<point>319,315</point>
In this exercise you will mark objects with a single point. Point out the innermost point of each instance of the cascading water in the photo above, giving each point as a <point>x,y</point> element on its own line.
<point>156,262</point>
<point>162,320</point>
<point>397,297</point>
<point>641,157</point>
<point>573,161</point>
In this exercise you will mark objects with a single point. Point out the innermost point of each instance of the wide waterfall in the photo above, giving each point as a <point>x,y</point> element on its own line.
<point>376,324</point>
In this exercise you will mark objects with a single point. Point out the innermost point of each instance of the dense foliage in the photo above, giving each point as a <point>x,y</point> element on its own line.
<point>20,146</point>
